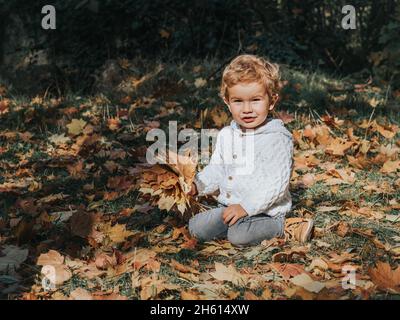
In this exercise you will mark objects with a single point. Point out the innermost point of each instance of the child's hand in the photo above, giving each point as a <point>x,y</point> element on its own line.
<point>193,190</point>
<point>233,213</point>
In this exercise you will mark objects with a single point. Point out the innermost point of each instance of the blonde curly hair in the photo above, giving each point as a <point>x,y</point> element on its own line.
<point>251,68</point>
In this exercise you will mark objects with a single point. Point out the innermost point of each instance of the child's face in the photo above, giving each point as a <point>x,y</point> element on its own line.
<point>249,104</point>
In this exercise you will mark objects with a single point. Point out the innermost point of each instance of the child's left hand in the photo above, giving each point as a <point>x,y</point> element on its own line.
<point>233,213</point>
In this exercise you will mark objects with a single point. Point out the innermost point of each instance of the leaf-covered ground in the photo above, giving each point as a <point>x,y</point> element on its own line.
<point>70,205</point>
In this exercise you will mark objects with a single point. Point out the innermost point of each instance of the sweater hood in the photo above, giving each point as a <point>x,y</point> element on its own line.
<point>271,126</point>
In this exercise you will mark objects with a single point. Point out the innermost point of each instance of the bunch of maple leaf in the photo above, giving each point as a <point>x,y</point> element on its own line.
<point>169,183</point>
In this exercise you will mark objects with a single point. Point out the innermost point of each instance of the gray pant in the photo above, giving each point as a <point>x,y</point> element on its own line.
<point>250,230</point>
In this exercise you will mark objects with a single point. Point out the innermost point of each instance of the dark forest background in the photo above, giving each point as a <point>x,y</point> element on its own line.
<point>305,33</point>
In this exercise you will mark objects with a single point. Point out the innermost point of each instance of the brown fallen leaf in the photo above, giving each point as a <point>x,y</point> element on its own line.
<point>317,263</point>
<point>343,229</point>
<point>108,296</point>
<point>289,254</point>
<point>4,105</point>
<point>266,294</point>
<point>219,116</point>
<point>229,273</point>
<point>248,295</point>
<point>368,233</point>
<point>121,183</point>
<point>189,276</point>
<point>340,258</point>
<point>285,116</point>
<point>385,278</point>
<point>90,271</point>
<point>305,281</point>
<point>191,295</point>
<point>169,183</point>
<point>303,294</point>
<point>287,270</point>
<point>390,166</point>
<point>104,261</point>
<point>57,274</point>
<point>114,123</point>
<point>182,268</point>
<point>153,265</point>
<point>338,146</point>
<point>59,139</point>
<point>139,258</point>
<point>181,231</point>
<point>82,223</point>
<point>126,212</point>
<point>59,296</point>
<point>152,286</point>
<point>117,233</point>
<point>80,294</point>
<point>360,162</point>
<point>308,179</point>
<point>50,258</point>
<point>189,244</point>
<point>387,131</point>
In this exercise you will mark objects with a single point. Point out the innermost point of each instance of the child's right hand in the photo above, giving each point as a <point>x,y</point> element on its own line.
<point>193,190</point>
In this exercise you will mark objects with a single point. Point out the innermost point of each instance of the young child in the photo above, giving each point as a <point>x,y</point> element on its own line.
<point>254,198</point>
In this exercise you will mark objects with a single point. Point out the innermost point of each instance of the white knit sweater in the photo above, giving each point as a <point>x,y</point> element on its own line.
<point>251,168</point>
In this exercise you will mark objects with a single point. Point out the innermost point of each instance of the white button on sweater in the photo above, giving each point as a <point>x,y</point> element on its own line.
<point>259,163</point>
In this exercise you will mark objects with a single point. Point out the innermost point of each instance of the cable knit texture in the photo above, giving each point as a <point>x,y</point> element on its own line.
<point>251,168</point>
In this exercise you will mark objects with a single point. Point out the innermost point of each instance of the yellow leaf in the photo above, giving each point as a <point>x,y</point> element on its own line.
<point>228,274</point>
<point>395,251</point>
<point>267,294</point>
<point>81,294</point>
<point>338,146</point>
<point>388,133</point>
<point>219,116</point>
<point>365,145</point>
<point>76,126</point>
<point>166,203</point>
<point>304,280</point>
<point>58,139</point>
<point>390,166</point>
<point>4,105</point>
<point>50,258</point>
<point>184,165</point>
<point>117,233</point>
<point>140,257</point>
<point>374,102</point>
<point>200,82</point>
<point>181,207</point>
<point>114,123</point>
<point>190,295</point>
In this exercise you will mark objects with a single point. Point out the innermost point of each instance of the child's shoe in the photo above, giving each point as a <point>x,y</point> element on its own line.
<point>299,229</point>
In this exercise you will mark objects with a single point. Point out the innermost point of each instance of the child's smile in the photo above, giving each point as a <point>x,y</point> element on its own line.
<point>249,104</point>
